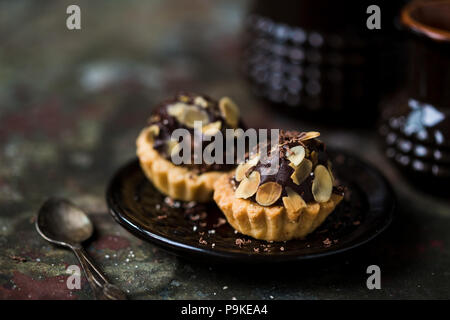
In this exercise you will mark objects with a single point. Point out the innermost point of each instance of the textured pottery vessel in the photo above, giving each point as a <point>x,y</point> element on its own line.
<point>317,57</point>
<point>416,123</point>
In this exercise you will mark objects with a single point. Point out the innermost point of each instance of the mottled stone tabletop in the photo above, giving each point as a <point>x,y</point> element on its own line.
<point>71,106</point>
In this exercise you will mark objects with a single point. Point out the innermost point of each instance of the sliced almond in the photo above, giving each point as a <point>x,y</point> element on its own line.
<point>191,115</point>
<point>254,160</point>
<point>241,171</point>
<point>322,185</point>
<point>153,131</point>
<point>309,135</point>
<point>243,168</point>
<point>212,128</point>
<point>268,193</point>
<point>293,202</point>
<point>297,155</point>
<point>229,111</point>
<point>172,147</point>
<point>302,171</point>
<point>248,186</point>
<point>187,115</point>
<point>177,109</point>
<point>184,98</point>
<point>200,101</point>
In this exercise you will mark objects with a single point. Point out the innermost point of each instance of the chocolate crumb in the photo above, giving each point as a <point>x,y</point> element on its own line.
<point>220,222</point>
<point>18,259</point>
<point>327,242</point>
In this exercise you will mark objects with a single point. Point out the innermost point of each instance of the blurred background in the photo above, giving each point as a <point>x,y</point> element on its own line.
<point>73,102</point>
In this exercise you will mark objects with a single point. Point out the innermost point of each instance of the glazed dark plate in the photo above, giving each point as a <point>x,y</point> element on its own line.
<point>199,231</point>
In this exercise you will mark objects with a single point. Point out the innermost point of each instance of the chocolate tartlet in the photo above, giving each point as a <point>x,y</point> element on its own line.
<point>192,181</point>
<point>288,202</point>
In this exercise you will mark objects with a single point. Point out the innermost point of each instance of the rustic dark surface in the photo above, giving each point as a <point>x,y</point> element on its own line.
<point>71,106</point>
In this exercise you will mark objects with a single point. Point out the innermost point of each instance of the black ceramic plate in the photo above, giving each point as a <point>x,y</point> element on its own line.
<point>199,231</point>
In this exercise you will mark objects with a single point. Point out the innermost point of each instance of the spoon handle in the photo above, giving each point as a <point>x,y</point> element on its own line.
<point>103,290</point>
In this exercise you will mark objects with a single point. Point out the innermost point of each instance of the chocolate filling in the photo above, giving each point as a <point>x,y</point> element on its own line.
<point>287,140</point>
<point>168,123</point>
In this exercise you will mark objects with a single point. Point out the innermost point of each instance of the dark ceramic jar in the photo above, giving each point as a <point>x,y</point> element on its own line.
<point>416,123</point>
<point>317,57</point>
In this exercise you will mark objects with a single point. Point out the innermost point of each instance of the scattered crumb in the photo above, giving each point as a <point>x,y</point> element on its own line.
<point>225,288</point>
<point>239,242</point>
<point>327,242</point>
<point>161,217</point>
<point>282,248</point>
<point>202,241</point>
<point>18,258</point>
<point>356,223</point>
<point>220,222</point>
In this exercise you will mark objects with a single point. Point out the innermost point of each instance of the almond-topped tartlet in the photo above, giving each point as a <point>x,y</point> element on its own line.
<point>285,203</point>
<point>192,181</point>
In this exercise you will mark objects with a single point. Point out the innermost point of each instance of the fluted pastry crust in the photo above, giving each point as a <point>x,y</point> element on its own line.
<point>270,223</point>
<point>177,182</point>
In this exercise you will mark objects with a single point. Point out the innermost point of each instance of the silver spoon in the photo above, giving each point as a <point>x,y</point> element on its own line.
<point>61,222</point>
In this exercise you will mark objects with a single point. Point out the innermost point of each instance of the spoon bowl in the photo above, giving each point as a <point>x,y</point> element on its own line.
<point>62,223</point>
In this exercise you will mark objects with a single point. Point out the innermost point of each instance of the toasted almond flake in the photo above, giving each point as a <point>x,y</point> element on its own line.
<point>297,155</point>
<point>309,135</point>
<point>200,101</point>
<point>229,111</point>
<point>254,160</point>
<point>293,202</point>
<point>183,98</point>
<point>173,147</point>
<point>248,186</point>
<point>212,128</point>
<point>186,114</point>
<point>241,170</point>
<point>176,109</point>
<point>191,115</point>
<point>322,185</point>
<point>301,172</point>
<point>153,131</point>
<point>268,193</point>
